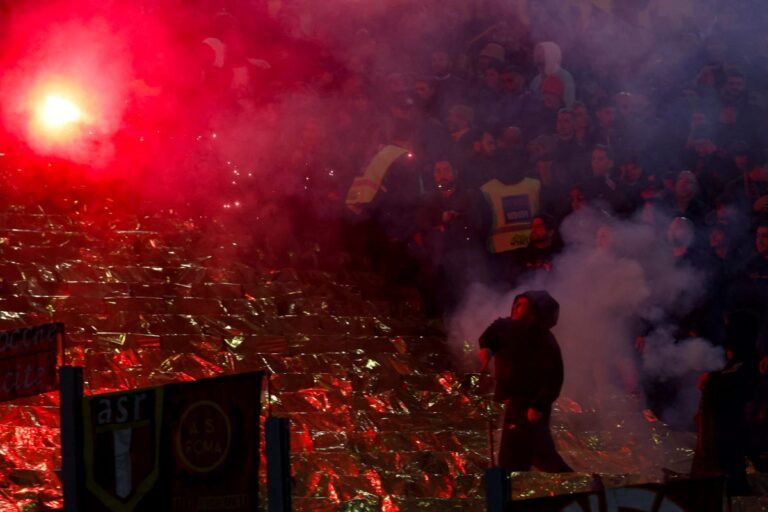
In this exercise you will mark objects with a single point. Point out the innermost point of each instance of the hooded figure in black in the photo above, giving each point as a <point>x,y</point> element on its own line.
<point>529,375</point>
<point>722,420</point>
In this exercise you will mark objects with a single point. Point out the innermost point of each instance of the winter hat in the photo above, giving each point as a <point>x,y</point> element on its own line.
<point>494,51</point>
<point>546,307</point>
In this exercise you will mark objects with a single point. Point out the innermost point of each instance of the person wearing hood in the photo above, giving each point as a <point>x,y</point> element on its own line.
<point>723,431</point>
<point>529,376</point>
<point>547,56</point>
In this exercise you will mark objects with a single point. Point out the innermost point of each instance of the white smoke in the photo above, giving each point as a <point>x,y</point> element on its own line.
<point>610,292</point>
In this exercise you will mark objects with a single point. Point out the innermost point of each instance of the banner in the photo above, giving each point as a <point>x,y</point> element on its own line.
<point>191,446</point>
<point>122,448</point>
<point>701,495</point>
<point>28,360</point>
<point>214,436</point>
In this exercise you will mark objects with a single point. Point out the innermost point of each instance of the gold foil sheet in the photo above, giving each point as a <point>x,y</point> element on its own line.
<point>380,419</point>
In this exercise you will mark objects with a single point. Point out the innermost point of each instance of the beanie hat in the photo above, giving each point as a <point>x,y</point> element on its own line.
<point>494,51</point>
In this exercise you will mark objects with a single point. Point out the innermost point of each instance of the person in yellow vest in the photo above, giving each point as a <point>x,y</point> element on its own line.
<point>513,208</point>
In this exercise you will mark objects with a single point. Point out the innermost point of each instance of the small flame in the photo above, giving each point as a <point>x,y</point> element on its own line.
<point>56,112</point>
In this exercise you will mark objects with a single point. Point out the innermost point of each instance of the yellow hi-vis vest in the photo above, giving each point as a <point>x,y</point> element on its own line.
<point>514,207</point>
<point>364,188</point>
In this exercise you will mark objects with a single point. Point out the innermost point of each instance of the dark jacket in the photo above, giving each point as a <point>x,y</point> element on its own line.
<point>529,366</point>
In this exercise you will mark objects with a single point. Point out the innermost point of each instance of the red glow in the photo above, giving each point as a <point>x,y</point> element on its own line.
<point>332,494</point>
<point>375,480</point>
<point>389,505</point>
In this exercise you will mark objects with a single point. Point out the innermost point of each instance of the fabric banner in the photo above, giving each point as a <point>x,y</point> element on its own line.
<point>183,447</point>
<point>28,360</point>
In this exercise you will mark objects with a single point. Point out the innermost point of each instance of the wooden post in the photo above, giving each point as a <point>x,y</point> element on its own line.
<point>498,489</point>
<point>278,465</point>
<point>71,399</point>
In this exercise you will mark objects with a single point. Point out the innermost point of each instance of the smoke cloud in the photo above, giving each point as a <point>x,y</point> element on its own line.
<point>84,60</point>
<point>615,282</point>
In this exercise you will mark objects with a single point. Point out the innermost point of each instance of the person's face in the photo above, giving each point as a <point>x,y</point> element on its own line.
<point>581,117</point>
<point>565,125</point>
<point>679,233</point>
<point>704,147</point>
<point>723,214</point>
<point>511,82</point>
<point>455,121</point>
<point>492,78</point>
<point>511,138</point>
<point>539,231</point>
<point>441,64</point>
<point>444,174</point>
<point>521,309</point>
<point>735,86</point>
<point>606,116</point>
<point>487,144</point>
<point>631,172</point>
<point>685,186</point>
<point>761,241</point>
<point>716,238</point>
<point>601,164</point>
<point>728,115</point>
<point>423,90</point>
<point>577,199</point>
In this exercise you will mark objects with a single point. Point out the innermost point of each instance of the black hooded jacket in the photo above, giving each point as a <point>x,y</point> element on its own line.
<point>529,366</point>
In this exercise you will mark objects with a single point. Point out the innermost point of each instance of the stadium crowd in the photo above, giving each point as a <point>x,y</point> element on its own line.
<point>454,148</point>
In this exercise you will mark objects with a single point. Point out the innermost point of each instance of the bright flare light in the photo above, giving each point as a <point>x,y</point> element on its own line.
<point>56,112</point>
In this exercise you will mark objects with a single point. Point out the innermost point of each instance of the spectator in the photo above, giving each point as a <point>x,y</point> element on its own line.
<point>483,163</point>
<point>606,132</point>
<point>512,208</point>
<point>750,191</point>
<point>632,183</point>
<point>459,123</point>
<point>449,237</point>
<point>569,156</point>
<point>581,125</point>
<point>426,97</point>
<point>723,432</point>
<point>543,246</point>
<point>601,188</point>
<point>449,88</point>
<point>529,375</point>
<point>681,236</point>
<point>685,201</point>
<point>547,56</point>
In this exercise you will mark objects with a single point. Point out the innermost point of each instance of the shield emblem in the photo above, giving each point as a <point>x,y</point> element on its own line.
<point>121,441</point>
